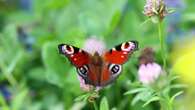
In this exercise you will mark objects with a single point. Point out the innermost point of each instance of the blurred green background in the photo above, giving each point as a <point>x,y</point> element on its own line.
<point>33,76</point>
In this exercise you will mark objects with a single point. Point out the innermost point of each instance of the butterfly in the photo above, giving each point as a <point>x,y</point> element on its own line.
<point>99,70</point>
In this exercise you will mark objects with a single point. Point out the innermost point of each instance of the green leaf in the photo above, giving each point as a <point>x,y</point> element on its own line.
<point>143,96</point>
<point>82,97</point>
<point>19,100</point>
<point>13,63</point>
<point>143,23</point>
<point>53,60</point>
<point>56,65</point>
<point>54,78</point>
<point>3,104</point>
<point>35,74</point>
<point>171,10</point>
<point>175,77</point>
<point>104,104</point>
<point>177,94</point>
<point>136,99</point>
<point>114,21</point>
<point>86,96</point>
<point>135,91</point>
<point>155,98</point>
<point>178,86</point>
<point>78,106</point>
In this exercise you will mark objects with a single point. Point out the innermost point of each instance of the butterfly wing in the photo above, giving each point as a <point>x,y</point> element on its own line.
<point>76,56</point>
<point>120,53</point>
<point>114,58</point>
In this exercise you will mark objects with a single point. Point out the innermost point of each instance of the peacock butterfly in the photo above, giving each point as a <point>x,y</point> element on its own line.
<point>99,70</point>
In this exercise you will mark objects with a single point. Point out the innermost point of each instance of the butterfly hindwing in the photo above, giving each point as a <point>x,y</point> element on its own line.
<point>120,53</point>
<point>77,56</point>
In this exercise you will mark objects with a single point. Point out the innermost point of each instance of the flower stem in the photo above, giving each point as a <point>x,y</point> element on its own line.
<point>165,103</point>
<point>162,44</point>
<point>95,105</point>
<point>166,106</point>
<point>170,106</point>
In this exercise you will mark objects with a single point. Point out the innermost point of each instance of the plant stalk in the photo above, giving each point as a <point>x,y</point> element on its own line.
<point>165,102</point>
<point>162,44</point>
<point>95,105</point>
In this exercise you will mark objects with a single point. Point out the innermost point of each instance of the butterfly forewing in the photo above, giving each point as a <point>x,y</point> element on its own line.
<point>76,56</point>
<point>120,53</point>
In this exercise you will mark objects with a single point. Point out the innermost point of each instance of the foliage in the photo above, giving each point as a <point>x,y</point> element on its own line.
<point>38,78</point>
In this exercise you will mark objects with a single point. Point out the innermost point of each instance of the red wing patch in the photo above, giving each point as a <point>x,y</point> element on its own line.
<point>120,54</point>
<point>76,56</point>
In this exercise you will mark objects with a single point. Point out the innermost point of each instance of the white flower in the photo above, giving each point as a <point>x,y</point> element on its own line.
<point>148,73</point>
<point>155,7</point>
<point>148,70</point>
<point>93,45</point>
<point>84,87</point>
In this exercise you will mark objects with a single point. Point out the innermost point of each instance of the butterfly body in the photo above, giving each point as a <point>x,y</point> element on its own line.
<point>99,70</point>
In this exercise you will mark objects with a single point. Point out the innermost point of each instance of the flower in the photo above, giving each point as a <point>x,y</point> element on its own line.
<point>84,87</point>
<point>87,87</point>
<point>93,45</point>
<point>148,70</point>
<point>155,8</point>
